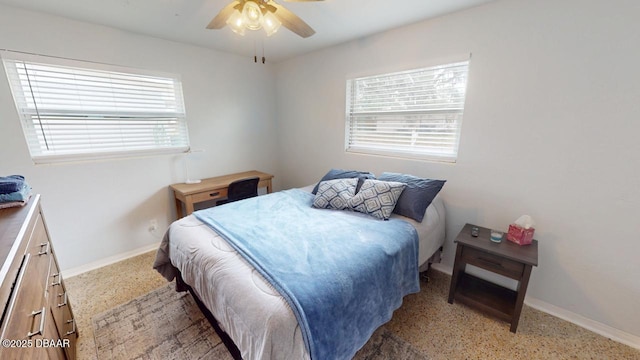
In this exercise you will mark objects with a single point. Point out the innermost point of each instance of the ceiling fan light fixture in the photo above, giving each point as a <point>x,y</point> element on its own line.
<point>242,15</point>
<point>252,15</point>
<point>236,22</point>
<point>270,23</point>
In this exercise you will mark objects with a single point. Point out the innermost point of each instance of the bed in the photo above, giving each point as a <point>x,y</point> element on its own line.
<point>257,314</point>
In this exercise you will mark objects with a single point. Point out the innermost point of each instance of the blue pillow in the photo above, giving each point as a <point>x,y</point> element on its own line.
<point>345,174</point>
<point>417,195</point>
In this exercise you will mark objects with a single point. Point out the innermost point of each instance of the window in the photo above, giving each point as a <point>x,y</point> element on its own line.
<point>73,110</point>
<point>414,114</point>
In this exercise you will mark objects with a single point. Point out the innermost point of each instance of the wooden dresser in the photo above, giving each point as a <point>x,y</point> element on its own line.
<point>37,321</point>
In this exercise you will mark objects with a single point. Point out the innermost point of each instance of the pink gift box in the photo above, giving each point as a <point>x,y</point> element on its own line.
<point>520,235</point>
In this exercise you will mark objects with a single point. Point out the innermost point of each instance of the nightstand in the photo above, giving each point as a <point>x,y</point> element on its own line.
<point>505,258</point>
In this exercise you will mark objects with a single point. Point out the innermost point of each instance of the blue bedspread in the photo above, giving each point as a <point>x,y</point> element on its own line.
<point>342,273</point>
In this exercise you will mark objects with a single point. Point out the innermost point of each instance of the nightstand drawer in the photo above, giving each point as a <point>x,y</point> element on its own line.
<point>494,263</point>
<point>209,195</point>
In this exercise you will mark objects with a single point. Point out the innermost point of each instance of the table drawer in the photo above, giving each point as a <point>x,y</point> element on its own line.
<point>497,264</point>
<point>209,195</point>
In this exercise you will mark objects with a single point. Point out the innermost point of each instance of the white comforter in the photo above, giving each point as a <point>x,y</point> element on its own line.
<point>254,315</point>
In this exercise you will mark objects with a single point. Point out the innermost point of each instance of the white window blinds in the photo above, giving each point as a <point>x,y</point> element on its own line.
<point>74,110</point>
<point>416,113</point>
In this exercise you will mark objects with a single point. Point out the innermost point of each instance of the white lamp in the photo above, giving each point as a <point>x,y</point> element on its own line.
<point>189,180</point>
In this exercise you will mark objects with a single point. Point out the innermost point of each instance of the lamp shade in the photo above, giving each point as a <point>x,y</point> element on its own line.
<point>270,23</point>
<point>236,22</point>
<point>252,15</point>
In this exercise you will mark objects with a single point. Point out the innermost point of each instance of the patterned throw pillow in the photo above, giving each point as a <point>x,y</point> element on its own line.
<point>334,194</point>
<point>377,198</point>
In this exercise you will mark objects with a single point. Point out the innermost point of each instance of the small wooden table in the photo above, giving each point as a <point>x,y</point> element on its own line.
<point>212,189</point>
<point>505,258</point>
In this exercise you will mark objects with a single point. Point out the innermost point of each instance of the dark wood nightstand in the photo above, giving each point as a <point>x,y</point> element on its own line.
<point>505,258</point>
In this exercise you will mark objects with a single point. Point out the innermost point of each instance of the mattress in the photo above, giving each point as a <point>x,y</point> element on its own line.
<point>247,307</point>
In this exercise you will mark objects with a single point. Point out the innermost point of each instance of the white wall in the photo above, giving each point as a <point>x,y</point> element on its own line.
<point>550,130</point>
<point>101,209</point>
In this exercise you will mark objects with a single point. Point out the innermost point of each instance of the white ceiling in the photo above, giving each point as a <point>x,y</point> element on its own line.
<point>335,21</point>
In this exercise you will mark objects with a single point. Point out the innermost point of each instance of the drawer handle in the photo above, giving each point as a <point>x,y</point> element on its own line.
<point>73,329</point>
<point>55,283</point>
<point>214,194</point>
<point>42,316</point>
<point>491,262</point>
<point>46,250</point>
<point>64,301</point>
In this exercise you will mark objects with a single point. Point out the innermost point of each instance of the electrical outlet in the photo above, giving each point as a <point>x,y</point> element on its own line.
<point>153,225</point>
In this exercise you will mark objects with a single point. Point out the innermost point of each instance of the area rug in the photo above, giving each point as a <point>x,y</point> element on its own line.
<point>164,324</point>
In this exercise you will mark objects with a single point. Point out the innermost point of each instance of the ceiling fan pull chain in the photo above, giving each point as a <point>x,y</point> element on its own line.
<point>263,58</point>
<point>255,55</point>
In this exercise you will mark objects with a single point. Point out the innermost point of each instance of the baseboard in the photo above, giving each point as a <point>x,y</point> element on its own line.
<point>591,325</point>
<point>108,261</point>
<point>443,269</point>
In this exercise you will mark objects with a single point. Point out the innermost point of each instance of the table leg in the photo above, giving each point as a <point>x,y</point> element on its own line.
<point>179,208</point>
<point>458,268</point>
<point>522,290</point>
<point>189,207</point>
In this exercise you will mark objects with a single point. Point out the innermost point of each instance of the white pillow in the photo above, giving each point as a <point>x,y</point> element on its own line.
<point>377,198</point>
<point>335,194</point>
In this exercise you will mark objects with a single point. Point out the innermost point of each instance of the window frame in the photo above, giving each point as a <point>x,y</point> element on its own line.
<point>396,150</point>
<point>159,128</point>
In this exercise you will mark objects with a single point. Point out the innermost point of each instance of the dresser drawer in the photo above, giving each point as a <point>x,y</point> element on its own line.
<point>57,293</point>
<point>65,325</point>
<point>27,311</point>
<point>40,250</point>
<point>209,195</point>
<point>61,309</point>
<point>494,263</point>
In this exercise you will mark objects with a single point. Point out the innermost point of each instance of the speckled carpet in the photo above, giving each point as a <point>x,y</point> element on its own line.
<point>164,324</point>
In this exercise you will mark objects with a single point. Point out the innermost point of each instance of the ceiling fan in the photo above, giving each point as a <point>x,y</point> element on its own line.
<point>260,14</point>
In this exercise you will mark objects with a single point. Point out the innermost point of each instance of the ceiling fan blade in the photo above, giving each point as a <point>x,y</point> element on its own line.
<point>301,0</point>
<point>220,20</point>
<point>291,21</point>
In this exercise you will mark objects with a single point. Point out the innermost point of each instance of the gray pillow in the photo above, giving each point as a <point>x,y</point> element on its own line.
<point>345,174</point>
<point>377,198</point>
<point>416,197</point>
